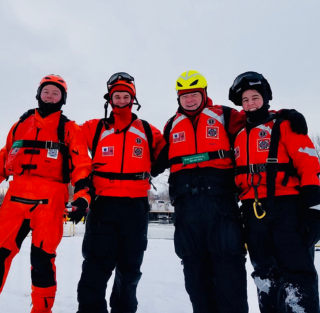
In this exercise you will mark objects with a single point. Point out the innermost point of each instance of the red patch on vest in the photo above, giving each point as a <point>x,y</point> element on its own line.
<point>178,137</point>
<point>263,144</point>
<point>212,132</point>
<point>137,152</point>
<point>107,151</point>
<point>236,152</point>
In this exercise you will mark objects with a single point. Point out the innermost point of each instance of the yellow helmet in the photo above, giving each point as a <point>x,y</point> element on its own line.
<point>190,80</point>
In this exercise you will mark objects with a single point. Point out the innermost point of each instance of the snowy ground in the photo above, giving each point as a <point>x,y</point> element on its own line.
<point>161,289</point>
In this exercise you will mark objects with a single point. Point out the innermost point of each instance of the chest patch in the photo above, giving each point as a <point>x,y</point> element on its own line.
<point>107,151</point>
<point>212,132</point>
<point>139,141</point>
<point>263,133</point>
<point>137,152</point>
<point>178,137</point>
<point>211,121</point>
<point>14,151</point>
<point>263,144</point>
<point>52,153</point>
<point>236,152</point>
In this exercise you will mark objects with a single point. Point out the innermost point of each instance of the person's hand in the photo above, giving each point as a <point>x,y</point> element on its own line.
<point>297,121</point>
<point>79,208</point>
<point>310,228</point>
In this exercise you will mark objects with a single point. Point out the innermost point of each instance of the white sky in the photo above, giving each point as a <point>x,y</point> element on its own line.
<point>87,41</point>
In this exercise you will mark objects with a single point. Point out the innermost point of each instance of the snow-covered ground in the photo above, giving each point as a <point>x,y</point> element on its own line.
<point>161,289</point>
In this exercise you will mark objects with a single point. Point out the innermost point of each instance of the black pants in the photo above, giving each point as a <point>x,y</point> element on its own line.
<point>208,239</point>
<point>115,238</point>
<point>284,270</point>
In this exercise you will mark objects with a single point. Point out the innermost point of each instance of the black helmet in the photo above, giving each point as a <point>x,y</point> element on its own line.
<point>249,80</point>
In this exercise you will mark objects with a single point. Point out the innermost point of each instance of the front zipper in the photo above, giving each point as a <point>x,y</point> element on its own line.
<point>123,148</point>
<point>29,201</point>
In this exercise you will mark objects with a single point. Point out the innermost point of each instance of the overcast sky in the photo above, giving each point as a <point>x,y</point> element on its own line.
<point>87,41</point>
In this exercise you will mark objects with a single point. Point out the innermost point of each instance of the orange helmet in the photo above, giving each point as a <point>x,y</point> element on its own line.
<point>56,80</point>
<point>121,82</point>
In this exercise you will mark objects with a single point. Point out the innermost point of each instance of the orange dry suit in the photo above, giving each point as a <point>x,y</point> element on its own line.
<point>122,160</point>
<point>39,163</point>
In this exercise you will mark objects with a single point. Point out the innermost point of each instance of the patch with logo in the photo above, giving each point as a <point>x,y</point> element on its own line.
<point>211,121</point>
<point>263,133</point>
<point>139,141</point>
<point>107,151</point>
<point>178,137</point>
<point>263,144</point>
<point>236,152</point>
<point>212,132</point>
<point>14,151</point>
<point>52,153</point>
<point>137,152</point>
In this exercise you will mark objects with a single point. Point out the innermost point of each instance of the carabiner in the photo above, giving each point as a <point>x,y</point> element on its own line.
<point>255,204</point>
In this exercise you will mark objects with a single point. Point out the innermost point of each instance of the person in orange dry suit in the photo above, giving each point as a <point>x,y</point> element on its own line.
<point>37,154</point>
<point>123,149</point>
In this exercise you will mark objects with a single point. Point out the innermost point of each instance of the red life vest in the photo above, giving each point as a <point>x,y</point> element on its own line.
<point>209,143</point>
<point>252,152</point>
<point>121,163</point>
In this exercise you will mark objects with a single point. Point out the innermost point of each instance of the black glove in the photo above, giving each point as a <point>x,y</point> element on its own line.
<point>79,207</point>
<point>297,121</point>
<point>85,183</point>
<point>310,228</point>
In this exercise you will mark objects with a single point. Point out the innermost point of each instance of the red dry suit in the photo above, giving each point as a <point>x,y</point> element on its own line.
<point>37,195</point>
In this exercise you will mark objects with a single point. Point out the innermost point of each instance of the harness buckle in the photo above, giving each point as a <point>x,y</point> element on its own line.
<point>52,145</point>
<point>48,145</point>
<point>272,160</point>
<point>221,154</point>
<point>143,175</point>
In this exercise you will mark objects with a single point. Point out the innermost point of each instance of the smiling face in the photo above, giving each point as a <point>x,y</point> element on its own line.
<point>50,94</point>
<point>251,100</point>
<point>191,101</point>
<point>121,98</point>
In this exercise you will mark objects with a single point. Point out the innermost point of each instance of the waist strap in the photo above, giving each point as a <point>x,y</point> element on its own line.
<point>261,168</point>
<point>39,144</point>
<point>123,176</point>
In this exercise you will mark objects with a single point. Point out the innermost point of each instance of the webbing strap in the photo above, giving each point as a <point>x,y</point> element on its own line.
<point>96,137</point>
<point>63,149</point>
<point>123,176</point>
<point>273,162</point>
<point>261,168</point>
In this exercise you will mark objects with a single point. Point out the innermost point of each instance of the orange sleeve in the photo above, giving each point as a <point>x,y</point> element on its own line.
<point>4,153</point>
<point>303,153</point>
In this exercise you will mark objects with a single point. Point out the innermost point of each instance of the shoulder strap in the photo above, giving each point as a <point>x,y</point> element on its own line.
<point>65,153</point>
<point>148,131</point>
<point>23,117</point>
<point>226,114</point>
<point>96,137</point>
<point>168,128</point>
<point>272,161</point>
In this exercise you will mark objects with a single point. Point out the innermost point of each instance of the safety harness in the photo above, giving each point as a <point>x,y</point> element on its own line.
<point>271,167</point>
<point>38,144</point>
<point>122,176</point>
